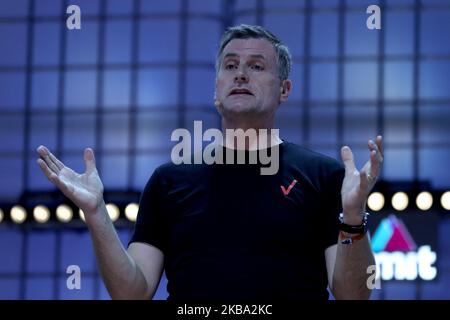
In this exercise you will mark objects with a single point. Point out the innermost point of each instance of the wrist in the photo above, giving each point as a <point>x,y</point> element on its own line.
<point>353,226</point>
<point>96,213</point>
<point>349,238</point>
<point>354,219</point>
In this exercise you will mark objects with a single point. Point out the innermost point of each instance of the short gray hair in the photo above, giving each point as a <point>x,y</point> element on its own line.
<point>245,31</point>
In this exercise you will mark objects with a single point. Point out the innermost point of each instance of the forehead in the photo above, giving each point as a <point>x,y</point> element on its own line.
<point>251,46</point>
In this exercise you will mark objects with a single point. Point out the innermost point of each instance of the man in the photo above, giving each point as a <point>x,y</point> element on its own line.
<point>226,231</point>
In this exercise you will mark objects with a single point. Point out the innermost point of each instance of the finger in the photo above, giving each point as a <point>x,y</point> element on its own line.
<point>44,167</point>
<point>347,158</point>
<point>54,178</point>
<point>89,160</point>
<point>373,146</point>
<point>379,142</point>
<point>56,161</point>
<point>374,164</point>
<point>44,153</point>
<point>363,181</point>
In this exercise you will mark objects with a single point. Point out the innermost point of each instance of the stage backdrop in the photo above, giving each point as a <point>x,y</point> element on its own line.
<point>137,70</point>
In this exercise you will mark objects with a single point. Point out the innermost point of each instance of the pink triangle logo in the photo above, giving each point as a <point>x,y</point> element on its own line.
<point>400,239</point>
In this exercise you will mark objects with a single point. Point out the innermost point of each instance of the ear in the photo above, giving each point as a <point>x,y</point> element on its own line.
<point>285,89</point>
<point>217,102</point>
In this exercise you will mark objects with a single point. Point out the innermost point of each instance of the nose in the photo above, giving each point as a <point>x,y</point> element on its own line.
<point>241,77</point>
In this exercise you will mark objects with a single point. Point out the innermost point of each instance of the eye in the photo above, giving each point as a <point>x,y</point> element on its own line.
<point>257,67</point>
<point>230,66</point>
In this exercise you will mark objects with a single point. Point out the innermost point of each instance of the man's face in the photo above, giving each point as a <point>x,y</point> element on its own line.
<point>247,81</point>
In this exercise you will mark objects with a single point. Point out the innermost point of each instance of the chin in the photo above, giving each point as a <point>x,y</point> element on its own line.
<point>240,108</point>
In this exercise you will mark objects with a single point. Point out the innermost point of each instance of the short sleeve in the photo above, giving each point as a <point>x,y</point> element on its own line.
<point>332,207</point>
<point>151,222</point>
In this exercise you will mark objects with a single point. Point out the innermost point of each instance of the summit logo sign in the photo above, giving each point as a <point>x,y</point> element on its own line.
<point>397,255</point>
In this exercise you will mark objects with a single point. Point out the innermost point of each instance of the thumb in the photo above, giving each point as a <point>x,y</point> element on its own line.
<point>347,158</point>
<point>89,160</point>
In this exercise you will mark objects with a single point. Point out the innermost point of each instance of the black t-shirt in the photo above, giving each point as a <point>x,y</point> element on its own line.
<point>228,232</point>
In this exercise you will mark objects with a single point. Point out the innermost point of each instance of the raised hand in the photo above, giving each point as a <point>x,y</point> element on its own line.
<point>85,190</point>
<point>358,184</point>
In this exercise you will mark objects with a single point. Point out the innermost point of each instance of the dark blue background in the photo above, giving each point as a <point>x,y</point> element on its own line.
<point>139,69</point>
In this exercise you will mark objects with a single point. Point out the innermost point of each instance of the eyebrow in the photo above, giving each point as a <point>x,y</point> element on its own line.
<point>253,56</point>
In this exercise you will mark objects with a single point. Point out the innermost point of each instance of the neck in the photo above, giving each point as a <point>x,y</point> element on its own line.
<point>254,134</point>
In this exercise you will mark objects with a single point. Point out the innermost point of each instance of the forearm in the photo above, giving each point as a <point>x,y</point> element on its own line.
<point>120,273</point>
<point>350,271</point>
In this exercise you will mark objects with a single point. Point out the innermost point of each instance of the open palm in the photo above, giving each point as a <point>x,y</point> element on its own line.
<point>85,190</point>
<point>357,184</point>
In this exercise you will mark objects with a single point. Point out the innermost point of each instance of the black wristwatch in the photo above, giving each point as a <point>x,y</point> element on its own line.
<point>360,229</point>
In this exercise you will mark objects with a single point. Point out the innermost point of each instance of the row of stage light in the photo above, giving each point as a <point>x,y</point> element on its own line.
<point>400,201</point>
<point>64,213</point>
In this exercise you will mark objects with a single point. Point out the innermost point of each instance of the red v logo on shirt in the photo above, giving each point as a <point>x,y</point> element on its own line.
<point>286,191</point>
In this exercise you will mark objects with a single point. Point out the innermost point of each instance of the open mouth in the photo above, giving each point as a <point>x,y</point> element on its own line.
<point>241,91</point>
